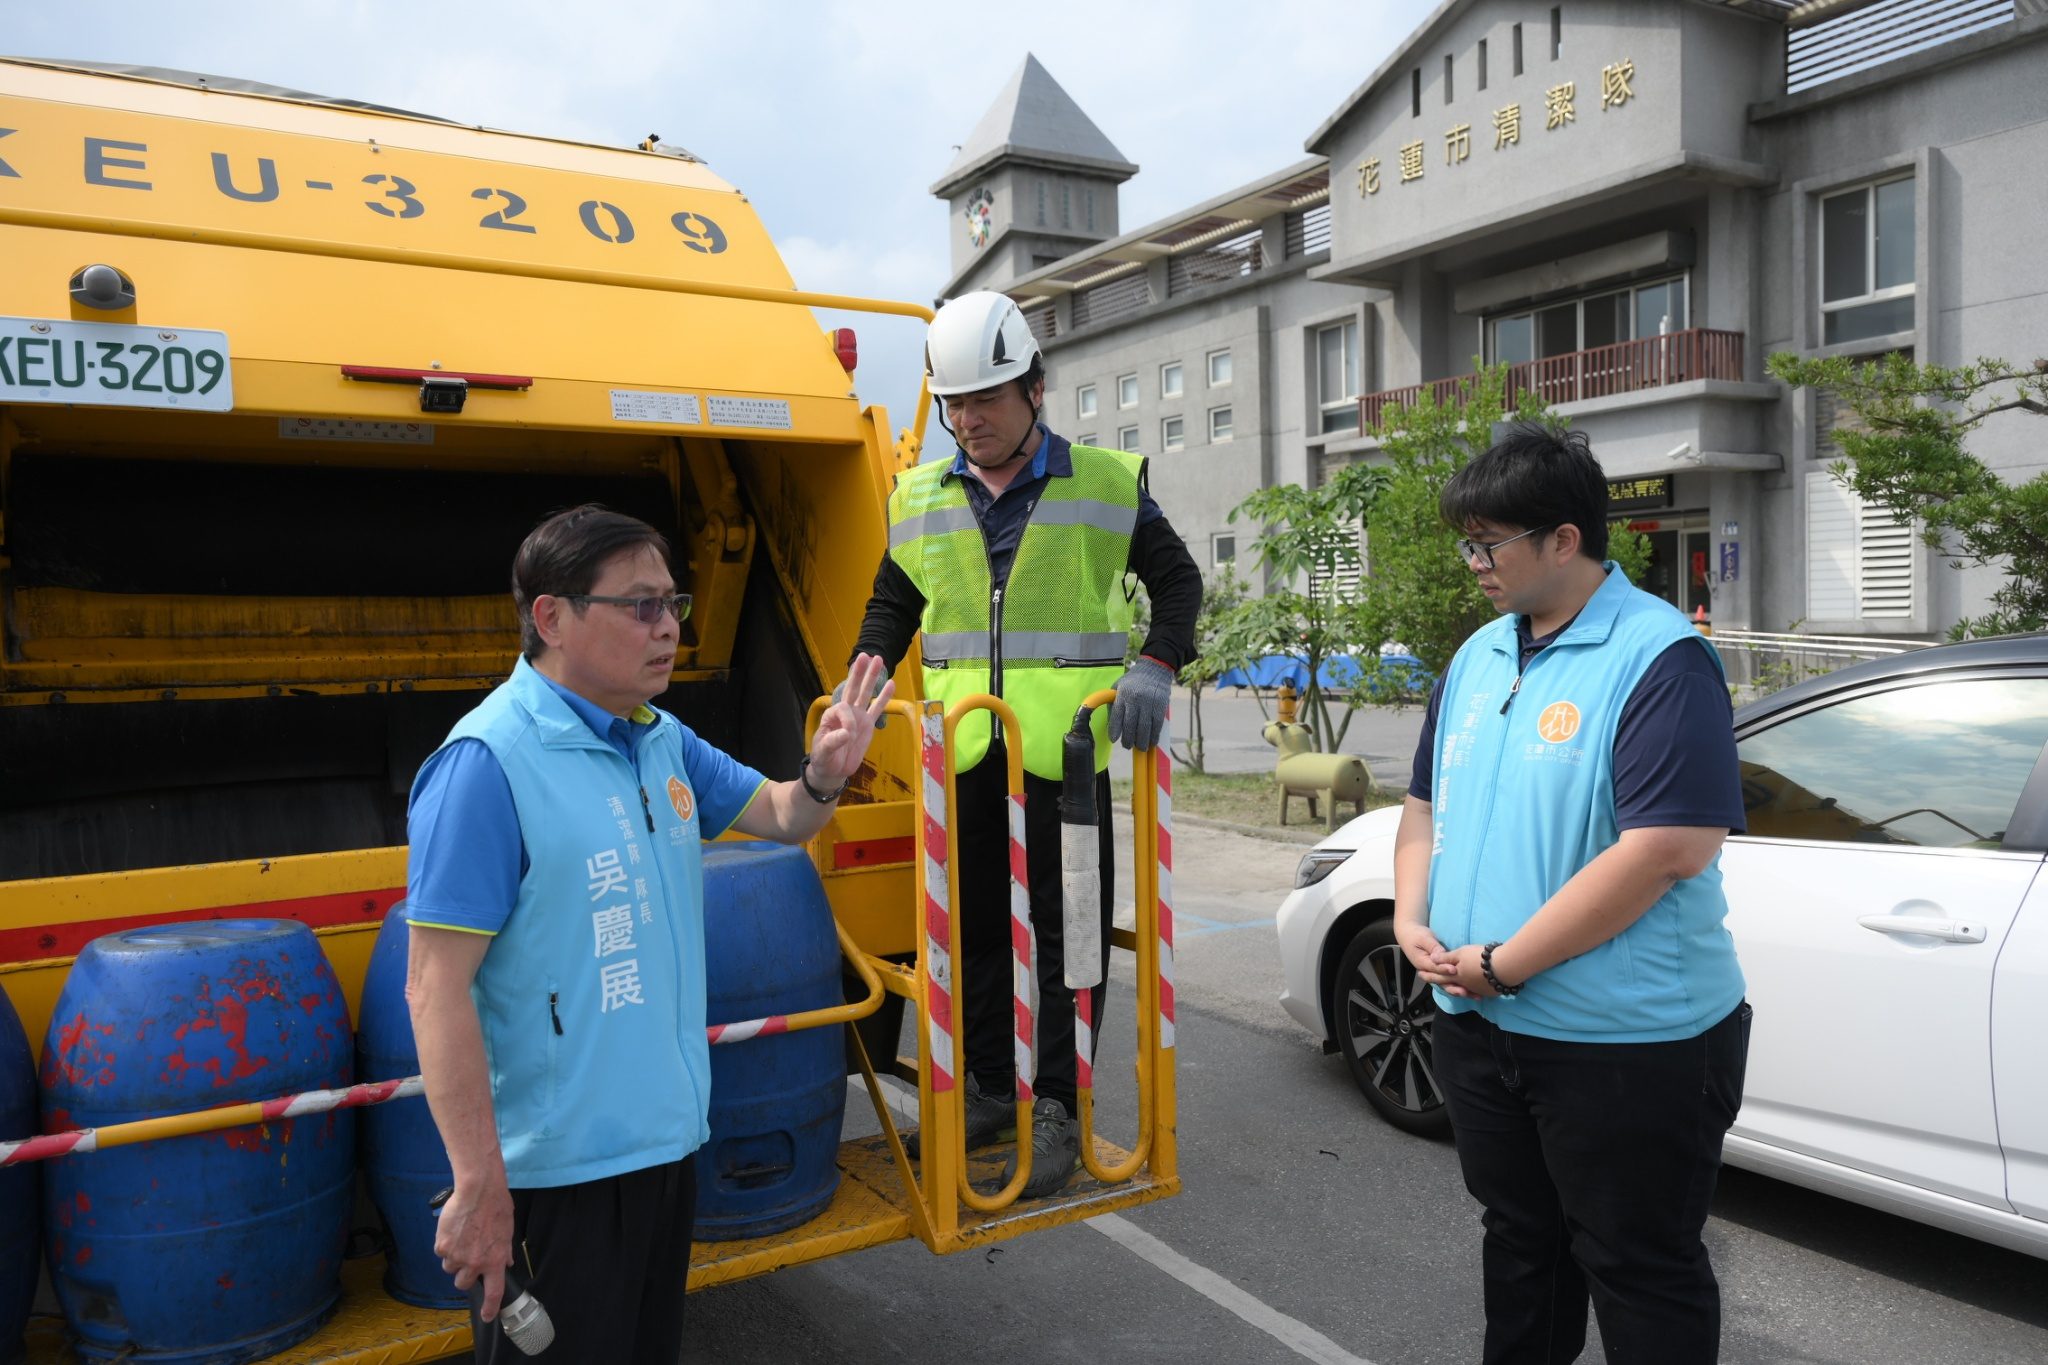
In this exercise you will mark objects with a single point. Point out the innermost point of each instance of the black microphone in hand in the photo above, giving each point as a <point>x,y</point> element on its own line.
<point>527,1325</point>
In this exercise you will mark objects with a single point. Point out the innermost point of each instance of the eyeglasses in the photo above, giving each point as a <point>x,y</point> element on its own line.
<point>1482,550</point>
<point>646,610</point>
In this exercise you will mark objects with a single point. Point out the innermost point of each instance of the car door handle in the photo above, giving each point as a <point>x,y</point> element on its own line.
<point>1947,930</point>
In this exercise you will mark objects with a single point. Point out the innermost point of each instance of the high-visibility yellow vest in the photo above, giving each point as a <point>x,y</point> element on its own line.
<point>1057,630</point>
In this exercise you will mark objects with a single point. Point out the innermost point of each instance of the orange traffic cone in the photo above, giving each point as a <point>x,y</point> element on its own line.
<point>1700,622</point>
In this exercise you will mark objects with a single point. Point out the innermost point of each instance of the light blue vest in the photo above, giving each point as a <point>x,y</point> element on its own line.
<point>1523,797</point>
<point>592,996</point>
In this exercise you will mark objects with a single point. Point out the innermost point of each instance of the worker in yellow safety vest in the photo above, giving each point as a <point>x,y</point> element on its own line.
<point>1016,559</point>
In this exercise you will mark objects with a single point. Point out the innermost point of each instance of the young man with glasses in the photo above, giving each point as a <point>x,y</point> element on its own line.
<point>555,894</point>
<point>1556,880</point>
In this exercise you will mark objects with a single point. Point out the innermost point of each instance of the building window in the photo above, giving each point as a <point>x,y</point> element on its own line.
<point>1086,396</point>
<point>1866,262</point>
<point>1219,369</point>
<point>1170,380</point>
<point>1127,438</point>
<point>1556,32</point>
<point>1088,207</point>
<point>1518,49</point>
<point>1222,550</point>
<point>1066,205</point>
<point>1415,91</point>
<point>1447,78</point>
<point>1173,434</point>
<point>1041,203</point>
<point>1127,391</point>
<point>1482,63</point>
<point>1087,440</point>
<point>1337,377</point>
<point>1219,424</point>
<point>1860,564</point>
<point>1588,322</point>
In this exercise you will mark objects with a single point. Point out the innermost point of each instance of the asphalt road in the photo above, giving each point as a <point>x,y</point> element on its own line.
<point>1309,1230</point>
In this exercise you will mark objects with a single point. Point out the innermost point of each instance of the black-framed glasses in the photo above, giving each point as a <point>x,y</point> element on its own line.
<point>1482,550</point>
<point>646,610</point>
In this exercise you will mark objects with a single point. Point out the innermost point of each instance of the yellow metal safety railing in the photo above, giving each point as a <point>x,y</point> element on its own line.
<point>944,1185</point>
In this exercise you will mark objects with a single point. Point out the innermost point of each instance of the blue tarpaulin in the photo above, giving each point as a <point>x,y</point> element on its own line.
<point>1339,672</point>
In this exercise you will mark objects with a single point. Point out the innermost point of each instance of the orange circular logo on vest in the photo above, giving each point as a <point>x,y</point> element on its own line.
<point>679,797</point>
<point>1558,723</point>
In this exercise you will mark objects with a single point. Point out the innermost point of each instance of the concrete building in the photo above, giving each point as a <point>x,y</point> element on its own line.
<point>1635,202</point>
<point>1198,341</point>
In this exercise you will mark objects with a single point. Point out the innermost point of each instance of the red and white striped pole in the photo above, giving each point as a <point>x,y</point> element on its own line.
<point>79,1141</point>
<point>938,909</point>
<point>1024,984</point>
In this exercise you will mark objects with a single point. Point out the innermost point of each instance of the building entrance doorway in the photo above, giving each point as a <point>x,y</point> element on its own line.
<point>1679,570</point>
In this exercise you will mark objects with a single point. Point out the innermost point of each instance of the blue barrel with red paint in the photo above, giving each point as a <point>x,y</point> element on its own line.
<point>777,1099</point>
<point>218,1247</point>
<point>403,1159</point>
<point>20,1186</point>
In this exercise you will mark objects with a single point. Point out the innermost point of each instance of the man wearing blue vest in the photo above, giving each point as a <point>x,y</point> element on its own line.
<point>1556,880</point>
<point>1014,559</point>
<point>555,894</point>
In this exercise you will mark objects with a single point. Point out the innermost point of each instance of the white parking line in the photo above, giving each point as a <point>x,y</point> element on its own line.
<point>1299,1337</point>
<point>1296,1336</point>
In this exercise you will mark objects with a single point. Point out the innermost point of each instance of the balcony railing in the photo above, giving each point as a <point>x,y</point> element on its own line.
<point>1629,366</point>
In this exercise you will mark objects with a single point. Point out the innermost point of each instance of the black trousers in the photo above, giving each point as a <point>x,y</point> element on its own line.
<point>1596,1163</point>
<point>987,1017</point>
<point>609,1260</point>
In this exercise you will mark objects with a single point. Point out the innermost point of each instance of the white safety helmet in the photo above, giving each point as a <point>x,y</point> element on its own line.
<point>976,342</point>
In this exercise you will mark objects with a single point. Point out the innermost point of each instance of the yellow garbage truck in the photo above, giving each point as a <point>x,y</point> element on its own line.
<point>284,380</point>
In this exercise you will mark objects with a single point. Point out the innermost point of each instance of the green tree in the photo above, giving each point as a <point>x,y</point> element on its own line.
<point>1419,592</point>
<point>1219,649</point>
<point>1307,542</point>
<point>1905,452</point>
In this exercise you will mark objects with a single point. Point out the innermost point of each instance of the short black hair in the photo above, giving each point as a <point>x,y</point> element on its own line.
<point>564,555</point>
<point>1536,479</point>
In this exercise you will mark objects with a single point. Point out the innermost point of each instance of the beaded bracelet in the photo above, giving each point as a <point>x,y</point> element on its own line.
<point>1500,987</point>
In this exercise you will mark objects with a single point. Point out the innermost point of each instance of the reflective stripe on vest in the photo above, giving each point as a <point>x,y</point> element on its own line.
<point>1103,516</point>
<point>1061,647</point>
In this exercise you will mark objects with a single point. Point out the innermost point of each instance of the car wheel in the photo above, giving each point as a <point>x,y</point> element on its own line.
<point>1383,1015</point>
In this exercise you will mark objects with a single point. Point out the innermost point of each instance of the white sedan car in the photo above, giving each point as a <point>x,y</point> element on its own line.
<point>1889,909</point>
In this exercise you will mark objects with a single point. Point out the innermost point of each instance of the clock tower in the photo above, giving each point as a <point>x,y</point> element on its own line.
<point>1035,181</point>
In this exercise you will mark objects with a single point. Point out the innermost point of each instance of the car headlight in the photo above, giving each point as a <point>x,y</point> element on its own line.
<point>1317,864</point>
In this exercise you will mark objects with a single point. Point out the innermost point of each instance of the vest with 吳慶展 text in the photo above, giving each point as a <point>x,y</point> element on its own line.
<point>1057,630</point>
<point>592,995</point>
<point>1522,798</point>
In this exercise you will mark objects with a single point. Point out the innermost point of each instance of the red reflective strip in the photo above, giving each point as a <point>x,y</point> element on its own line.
<point>318,912</point>
<point>384,374</point>
<point>872,852</point>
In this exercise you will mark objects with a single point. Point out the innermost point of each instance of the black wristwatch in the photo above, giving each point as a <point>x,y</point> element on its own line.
<point>803,775</point>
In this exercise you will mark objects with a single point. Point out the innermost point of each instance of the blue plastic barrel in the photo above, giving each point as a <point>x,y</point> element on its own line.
<point>20,1187</point>
<point>218,1247</point>
<point>403,1160</point>
<point>776,1101</point>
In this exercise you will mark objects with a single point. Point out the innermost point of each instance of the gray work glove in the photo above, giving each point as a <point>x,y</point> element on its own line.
<point>840,691</point>
<point>1139,713</point>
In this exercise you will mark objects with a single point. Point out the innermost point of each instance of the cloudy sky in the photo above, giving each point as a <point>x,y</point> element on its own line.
<point>833,116</point>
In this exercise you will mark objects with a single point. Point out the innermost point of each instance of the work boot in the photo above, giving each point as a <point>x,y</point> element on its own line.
<point>1055,1149</point>
<point>990,1119</point>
